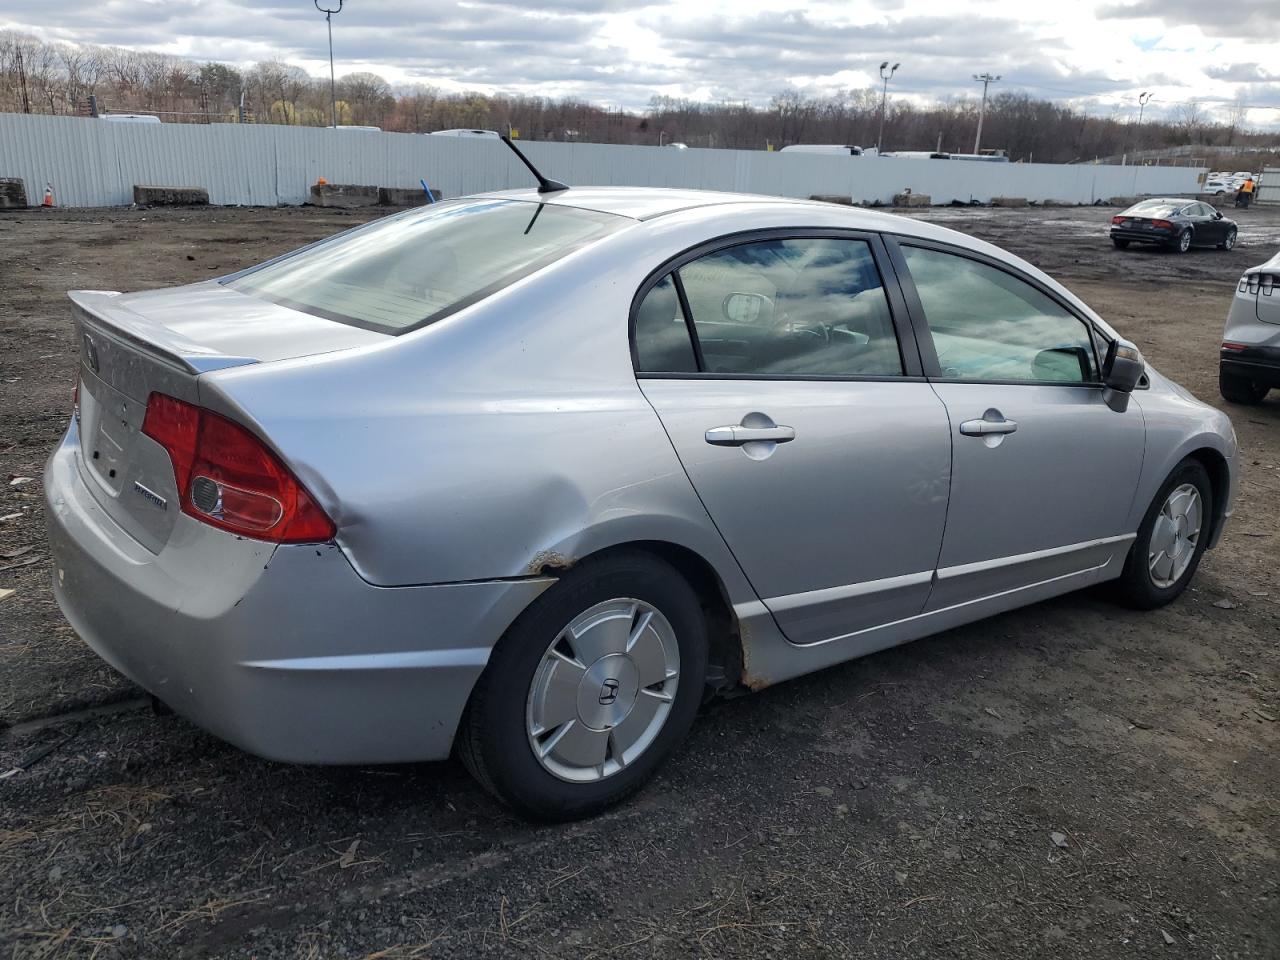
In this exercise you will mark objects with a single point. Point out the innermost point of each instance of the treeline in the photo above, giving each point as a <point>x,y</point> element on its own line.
<point>60,78</point>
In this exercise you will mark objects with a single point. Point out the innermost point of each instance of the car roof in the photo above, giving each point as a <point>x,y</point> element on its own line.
<point>643,203</point>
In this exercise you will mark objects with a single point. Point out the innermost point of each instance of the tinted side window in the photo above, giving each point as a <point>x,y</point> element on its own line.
<point>798,307</point>
<point>988,325</point>
<point>662,336</point>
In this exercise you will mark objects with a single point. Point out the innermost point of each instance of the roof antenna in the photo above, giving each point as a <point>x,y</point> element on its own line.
<point>544,185</point>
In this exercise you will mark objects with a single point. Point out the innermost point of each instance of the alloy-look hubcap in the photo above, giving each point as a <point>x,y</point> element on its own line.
<point>603,690</point>
<point>1175,535</point>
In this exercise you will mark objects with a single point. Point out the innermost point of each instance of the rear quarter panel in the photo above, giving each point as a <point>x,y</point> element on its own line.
<point>508,439</point>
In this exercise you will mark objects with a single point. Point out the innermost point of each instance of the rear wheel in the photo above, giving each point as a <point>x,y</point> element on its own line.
<point>1170,541</point>
<point>1229,240</point>
<point>589,690</point>
<point>1120,244</point>
<point>1182,243</point>
<point>1239,389</point>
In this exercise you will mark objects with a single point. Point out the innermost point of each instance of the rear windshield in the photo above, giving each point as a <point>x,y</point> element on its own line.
<point>1156,208</point>
<point>412,269</point>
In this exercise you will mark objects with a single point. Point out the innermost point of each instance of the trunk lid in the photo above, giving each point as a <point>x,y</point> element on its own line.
<point>132,345</point>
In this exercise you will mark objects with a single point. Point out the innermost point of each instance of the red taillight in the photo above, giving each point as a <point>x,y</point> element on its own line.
<point>228,478</point>
<point>1118,219</point>
<point>1162,224</point>
<point>1228,345</point>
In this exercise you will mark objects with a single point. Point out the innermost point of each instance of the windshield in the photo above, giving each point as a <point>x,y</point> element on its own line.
<point>410,270</point>
<point>1156,208</point>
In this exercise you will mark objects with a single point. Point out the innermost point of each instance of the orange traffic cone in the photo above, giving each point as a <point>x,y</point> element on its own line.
<point>48,195</point>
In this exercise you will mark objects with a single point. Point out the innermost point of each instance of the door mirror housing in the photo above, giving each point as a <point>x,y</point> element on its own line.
<point>1121,372</point>
<point>1217,214</point>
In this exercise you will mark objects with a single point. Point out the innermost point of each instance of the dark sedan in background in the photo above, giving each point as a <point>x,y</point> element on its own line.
<point>1173,223</point>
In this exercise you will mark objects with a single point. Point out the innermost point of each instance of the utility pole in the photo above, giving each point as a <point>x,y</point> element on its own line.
<point>22,79</point>
<point>987,79</point>
<point>333,86</point>
<point>884,99</point>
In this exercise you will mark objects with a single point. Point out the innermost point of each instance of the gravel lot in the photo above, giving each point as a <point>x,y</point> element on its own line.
<point>1068,780</point>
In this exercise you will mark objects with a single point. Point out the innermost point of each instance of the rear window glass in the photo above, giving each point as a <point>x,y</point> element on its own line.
<point>409,270</point>
<point>1155,208</point>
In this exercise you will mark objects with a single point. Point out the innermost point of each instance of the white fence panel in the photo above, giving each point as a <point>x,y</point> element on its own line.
<point>93,163</point>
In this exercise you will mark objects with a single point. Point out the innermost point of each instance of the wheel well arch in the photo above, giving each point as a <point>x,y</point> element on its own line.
<point>724,640</point>
<point>1215,464</point>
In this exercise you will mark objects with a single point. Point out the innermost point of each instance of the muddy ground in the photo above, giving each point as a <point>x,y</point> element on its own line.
<point>1069,780</point>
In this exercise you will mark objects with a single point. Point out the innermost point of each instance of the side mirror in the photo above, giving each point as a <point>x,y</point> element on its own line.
<point>1217,214</point>
<point>746,307</point>
<point>1121,372</point>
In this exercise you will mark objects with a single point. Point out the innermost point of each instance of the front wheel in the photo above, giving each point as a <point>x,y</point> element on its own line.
<point>589,690</point>
<point>1228,241</point>
<point>1239,389</point>
<point>1170,541</point>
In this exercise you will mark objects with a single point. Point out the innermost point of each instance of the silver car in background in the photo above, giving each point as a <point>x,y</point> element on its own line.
<point>1249,365</point>
<point>526,475</point>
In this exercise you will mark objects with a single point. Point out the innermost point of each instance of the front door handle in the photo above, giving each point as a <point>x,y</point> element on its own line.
<point>739,435</point>
<point>986,428</point>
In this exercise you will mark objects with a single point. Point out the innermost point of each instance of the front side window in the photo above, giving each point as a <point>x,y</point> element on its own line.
<point>989,325</point>
<point>409,270</point>
<point>805,307</point>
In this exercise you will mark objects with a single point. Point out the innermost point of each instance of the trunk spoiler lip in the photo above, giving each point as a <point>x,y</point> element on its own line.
<point>99,308</point>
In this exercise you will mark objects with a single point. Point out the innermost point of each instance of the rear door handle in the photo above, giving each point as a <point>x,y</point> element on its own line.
<point>738,435</point>
<point>986,428</point>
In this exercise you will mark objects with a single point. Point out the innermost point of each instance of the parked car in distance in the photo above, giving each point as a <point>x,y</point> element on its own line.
<point>527,475</point>
<point>1174,223</point>
<point>1216,186</point>
<point>1250,361</point>
<point>129,118</point>
<point>461,132</point>
<point>830,149</point>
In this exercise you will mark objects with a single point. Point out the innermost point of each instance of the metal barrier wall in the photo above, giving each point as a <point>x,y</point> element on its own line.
<point>1269,188</point>
<point>91,164</point>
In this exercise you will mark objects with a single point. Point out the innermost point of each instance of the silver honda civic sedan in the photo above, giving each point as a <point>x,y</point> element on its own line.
<point>528,475</point>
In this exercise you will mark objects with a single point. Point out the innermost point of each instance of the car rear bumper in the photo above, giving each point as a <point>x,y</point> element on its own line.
<point>282,651</point>
<point>1259,364</point>
<point>1144,236</point>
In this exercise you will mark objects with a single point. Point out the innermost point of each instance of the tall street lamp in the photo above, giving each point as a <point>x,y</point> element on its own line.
<point>1143,98</point>
<point>987,79</point>
<point>884,98</point>
<point>333,86</point>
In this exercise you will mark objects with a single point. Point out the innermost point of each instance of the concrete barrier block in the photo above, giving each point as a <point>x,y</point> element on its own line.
<point>405,196</point>
<point>832,198</point>
<point>1008,201</point>
<point>13,193</point>
<point>343,195</point>
<point>912,200</point>
<point>145,195</point>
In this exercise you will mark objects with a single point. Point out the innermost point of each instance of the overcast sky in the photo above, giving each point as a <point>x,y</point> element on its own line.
<point>1099,55</point>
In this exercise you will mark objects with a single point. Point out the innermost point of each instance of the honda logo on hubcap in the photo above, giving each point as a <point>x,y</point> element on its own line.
<point>608,692</point>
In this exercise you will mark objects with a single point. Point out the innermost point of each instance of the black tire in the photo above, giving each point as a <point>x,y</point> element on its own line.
<point>1120,244</point>
<point>492,740</point>
<point>1230,240</point>
<point>1239,389</point>
<point>1182,242</point>
<point>1135,587</point>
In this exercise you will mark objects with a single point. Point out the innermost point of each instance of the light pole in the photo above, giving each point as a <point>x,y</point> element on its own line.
<point>987,79</point>
<point>884,98</point>
<point>333,86</point>
<point>1143,98</point>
